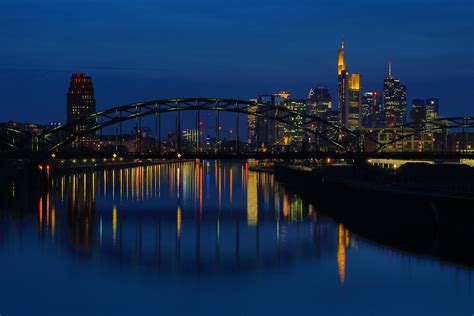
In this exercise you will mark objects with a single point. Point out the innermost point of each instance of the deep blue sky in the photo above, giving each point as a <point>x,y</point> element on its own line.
<point>147,49</point>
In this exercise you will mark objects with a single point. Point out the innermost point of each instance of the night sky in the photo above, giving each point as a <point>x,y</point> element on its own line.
<point>151,49</point>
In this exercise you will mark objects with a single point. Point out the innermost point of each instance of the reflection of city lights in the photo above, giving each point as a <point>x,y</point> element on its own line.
<point>114,224</point>
<point>343,242</point>
<point>230,185</point>
<point>252,199</point>
<point>178,222</point>
<point>53,221</point>
<point>40,212</point>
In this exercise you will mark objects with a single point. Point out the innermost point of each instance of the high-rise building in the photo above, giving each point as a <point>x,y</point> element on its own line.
<point>395,100</point>
<point>432,108</point>
<point>418,111</point>
<point>252,124</point>
<point>367,109</point>
<point>319,102</point>
<point>349,98</point>
<point>80,104</point>
<point>354,103</point>
<point>268,131</point>
<point>371,110</point>
<point>343,86</point>
<point>291,133</point>
<point>378,116</point>
<point>190,138</point>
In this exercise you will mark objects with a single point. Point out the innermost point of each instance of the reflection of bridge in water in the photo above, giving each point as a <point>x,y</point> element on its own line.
<point>184,218</point>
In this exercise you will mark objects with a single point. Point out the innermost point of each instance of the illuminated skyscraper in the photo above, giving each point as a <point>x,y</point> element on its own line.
<point>319,102</point>
<point>349,98</point>
<point>292,133</point>
<point>367,108</point>
<point>432,108</point>
<point>418,111</point>
<point>395,100</point>
<point>371,111</point>
<point>343,86</point>
<point>268,132</point>
<point>80,104</point>
<point>252,124</point>
<point>354,104</point>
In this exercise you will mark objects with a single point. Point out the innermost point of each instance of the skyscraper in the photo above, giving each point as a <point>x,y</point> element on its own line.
<point>80,104</point>
<point>252,124</point>
<point>395,99</point>
<point>432,108</point>
<point>354,104</point>
<point>418,111</point>
<point>343,86</point>
<point>319,102</point>
<point>371,110</point>
<point>349,93</point>
<point>268,131</point>
<point>291,133</point>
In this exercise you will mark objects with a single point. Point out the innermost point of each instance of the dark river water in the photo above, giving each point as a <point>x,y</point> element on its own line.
<point>209,238</point>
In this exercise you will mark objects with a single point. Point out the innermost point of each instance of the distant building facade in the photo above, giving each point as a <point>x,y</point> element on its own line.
<point>432,108</point>
<point>292,134</point>
<point>371,110</point>
<point>354,103</point>
<point>349,99</point>
<point>319,103</point>
<point>395,100</point>
<point>418,112</point>
<point>423,110</point>
<point>81,103</point>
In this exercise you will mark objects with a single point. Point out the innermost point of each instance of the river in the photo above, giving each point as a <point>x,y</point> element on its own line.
<point>202,238</point>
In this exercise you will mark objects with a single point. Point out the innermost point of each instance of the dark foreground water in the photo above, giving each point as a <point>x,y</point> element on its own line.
<point>211,238</point>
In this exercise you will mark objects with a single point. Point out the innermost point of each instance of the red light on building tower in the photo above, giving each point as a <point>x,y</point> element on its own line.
<point>80,104</point>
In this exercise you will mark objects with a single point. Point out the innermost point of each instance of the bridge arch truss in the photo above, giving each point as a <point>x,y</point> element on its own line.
<point>64,135</point>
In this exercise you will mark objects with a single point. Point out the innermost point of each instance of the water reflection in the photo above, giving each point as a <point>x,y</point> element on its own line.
<point>188,218</point>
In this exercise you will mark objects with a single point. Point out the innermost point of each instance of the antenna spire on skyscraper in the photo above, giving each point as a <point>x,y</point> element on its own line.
<point>340,58</point>
<point>389,68</point>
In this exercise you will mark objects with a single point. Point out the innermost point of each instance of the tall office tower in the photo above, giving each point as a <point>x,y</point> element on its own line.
<point>395,99</point>
<point>432,108</point>
<point>252,124</point>
<point>268,131</point>
<point>343,86</point>
<point>366,113</point>
<point>378,117</point>
<point>319,102</point>
<point>266,127</point>
<point>80,104</point>
<point>291,133</point>
<point>371,110</point>
<point>418,111</point>
<point>354,103</point>
<point>280,98</point>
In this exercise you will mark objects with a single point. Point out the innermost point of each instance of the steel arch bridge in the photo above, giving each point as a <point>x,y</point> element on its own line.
<point>13,138</point>
<point>338,138</point>
<point>64,135</point>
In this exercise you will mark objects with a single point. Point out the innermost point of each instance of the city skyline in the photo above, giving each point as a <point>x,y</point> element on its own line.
<point>292,56</point>
<point>353,80</point>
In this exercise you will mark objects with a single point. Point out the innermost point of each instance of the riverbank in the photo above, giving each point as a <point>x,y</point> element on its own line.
<point>368,204</point>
